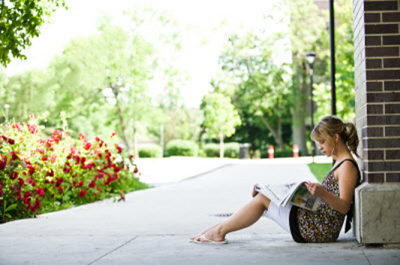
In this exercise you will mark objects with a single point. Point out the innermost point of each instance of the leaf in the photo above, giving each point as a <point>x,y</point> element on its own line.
<point>11,207</point>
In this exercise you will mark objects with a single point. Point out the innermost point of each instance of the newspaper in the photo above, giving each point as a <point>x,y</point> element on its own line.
<point>292,193</point>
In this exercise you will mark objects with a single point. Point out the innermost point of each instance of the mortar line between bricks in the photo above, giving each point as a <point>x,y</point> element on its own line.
<point>369,262</point>
<point>113,250</point>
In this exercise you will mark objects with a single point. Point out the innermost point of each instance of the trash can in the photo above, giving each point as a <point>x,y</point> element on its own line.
<point>244,151</point>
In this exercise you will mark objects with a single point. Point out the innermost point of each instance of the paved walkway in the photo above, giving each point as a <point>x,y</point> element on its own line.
<point>153,226</point>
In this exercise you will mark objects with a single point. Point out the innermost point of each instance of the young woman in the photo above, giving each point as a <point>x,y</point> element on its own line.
<point>335,139</point>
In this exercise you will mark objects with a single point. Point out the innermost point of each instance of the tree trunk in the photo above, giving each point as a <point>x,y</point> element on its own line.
<point>299,108</point>
<point>125,137</point>
<point>135,146</point>
<point>221,145</point>
<point>276,134</point>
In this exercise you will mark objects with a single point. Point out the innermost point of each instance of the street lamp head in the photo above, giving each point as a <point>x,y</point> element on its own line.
<point>6,106</point>
<point>310,57</point>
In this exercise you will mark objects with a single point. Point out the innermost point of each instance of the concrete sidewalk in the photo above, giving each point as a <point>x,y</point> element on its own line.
<point>153,227</point>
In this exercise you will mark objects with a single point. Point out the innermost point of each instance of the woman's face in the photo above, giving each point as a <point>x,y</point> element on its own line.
<point>325,147</point>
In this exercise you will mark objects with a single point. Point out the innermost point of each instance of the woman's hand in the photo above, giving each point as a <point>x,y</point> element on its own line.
<point>315,189</point>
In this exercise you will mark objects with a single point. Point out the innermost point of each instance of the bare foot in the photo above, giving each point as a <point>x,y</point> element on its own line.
<point>193,238</point>
<point>212,234</point>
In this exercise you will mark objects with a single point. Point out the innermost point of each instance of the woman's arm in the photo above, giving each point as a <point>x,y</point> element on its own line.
<point>347,175</point>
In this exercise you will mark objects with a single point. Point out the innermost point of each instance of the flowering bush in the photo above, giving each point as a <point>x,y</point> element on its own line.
<point>42,175</point>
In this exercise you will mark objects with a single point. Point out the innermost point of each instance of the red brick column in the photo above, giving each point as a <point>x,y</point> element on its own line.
<point>377,74</point>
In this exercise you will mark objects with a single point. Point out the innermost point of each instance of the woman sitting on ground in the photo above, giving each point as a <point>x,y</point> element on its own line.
<point>335,139</point>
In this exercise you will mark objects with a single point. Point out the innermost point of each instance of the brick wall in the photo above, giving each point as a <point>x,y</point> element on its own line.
<point>377,76</point>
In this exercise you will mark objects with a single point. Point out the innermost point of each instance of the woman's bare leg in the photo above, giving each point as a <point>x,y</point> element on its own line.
<point>245,217</point>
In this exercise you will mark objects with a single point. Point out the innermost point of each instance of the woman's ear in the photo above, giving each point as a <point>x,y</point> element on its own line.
<point>336,138</point>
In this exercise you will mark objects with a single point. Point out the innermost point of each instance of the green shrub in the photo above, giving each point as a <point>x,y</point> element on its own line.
<point>182,148</point>
<point>211,150</point>
<point>231,150</point>
<point>150,151</point>
<point>283,153</point>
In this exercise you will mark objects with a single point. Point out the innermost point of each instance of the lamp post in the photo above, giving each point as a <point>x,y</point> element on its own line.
<point>6,106</point>
<point>310,57</point>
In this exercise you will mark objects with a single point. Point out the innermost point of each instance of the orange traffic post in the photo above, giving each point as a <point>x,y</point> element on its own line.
<point>271,152</point>
<point>295,150</point>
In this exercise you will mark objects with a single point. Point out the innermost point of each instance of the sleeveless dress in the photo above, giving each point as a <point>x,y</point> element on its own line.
<point>323,225</point>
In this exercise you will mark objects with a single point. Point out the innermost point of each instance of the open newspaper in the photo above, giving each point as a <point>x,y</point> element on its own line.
<point>286,194</point>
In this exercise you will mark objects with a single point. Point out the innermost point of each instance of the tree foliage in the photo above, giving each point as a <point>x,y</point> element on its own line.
<point>20,21</point>
<point>102,83</point>
<point>344,46</point>
<point>260,86</point>
<point>220,116</point>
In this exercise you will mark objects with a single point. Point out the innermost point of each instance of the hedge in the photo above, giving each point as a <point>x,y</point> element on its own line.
<point>150,151</point>
<point>231,150</point>
<point>182,148</point>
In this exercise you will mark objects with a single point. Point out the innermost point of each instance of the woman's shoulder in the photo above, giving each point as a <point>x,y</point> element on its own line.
<point>347,168</point>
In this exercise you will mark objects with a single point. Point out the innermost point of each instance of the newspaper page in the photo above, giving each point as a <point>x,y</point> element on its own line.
<point>303,199</point>
<point>276,193</point>
<point>291,193</point>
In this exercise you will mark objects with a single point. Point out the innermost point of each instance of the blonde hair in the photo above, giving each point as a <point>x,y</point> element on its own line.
<point>329,126</point>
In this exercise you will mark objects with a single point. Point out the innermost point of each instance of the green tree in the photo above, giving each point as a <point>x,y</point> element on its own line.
<point>306,34</point>
<point>220,117</point>
<point>20,21</point>
<point>260,90</point>
<point>110,69</point>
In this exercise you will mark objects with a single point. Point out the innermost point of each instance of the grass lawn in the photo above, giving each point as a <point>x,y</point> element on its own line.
<point>320,170</point>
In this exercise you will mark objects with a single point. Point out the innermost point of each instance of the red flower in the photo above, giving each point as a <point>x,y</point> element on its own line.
<point>135,170</point>
<point>14,175</point>
<point>90,166</point>
<point>59,181</point>
<point>80,184</point>
<point>73,150</point>
<point>32,116</point>
<point>21,181</point>
<point>77,159</point>
<point>10,141</point>
<point>57,133</point>
<point>32,128</point>
<point>113,134</point>
<point>18,195</point>
<point>87,145</point>
<point>60,190</point>
<point>14,156</point>
<point>67,167</point>
<point>39,191</point>
<point>82,136</point>
<point>119,149</point>
<point>50,173</point>
<point>92,184</point>
<point>82,193</point>
<point>97,139</point>
<point>3,162</point>
<point>31,169</point>
<point>122,197</point>
<point>16,126</point>
<point>44,158</point>
<point>53,158</point>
